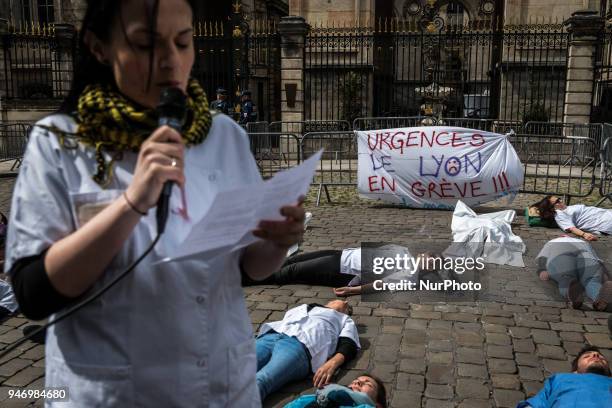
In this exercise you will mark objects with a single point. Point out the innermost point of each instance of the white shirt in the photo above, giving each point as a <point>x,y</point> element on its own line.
<point>318,330</point>
<point>173,335</point>
<point>350,263</point>
<point>585,218</point>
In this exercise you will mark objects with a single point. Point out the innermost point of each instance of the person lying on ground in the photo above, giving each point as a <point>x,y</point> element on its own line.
<point>365,391</point>
<point>576,268</point>
<point>588,386</point>
<point>335,268</point>
<point>310,339</point>
<point>579,219</point>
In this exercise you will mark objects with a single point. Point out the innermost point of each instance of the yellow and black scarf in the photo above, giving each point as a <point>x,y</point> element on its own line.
<point>110,122</point>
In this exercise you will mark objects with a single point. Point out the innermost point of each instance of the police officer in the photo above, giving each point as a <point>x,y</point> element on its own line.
<point>247,111</point>
<point>221,104</point>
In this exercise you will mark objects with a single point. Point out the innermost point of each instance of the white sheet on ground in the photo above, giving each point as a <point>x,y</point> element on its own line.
<point>485,235</point>
<point>7,297</point>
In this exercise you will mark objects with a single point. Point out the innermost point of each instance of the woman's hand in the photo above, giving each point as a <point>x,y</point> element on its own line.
<point>284,234</point>
<point>589,237</point>
<point>325,373</point>
<point>544,276</point>
<point>347,291</point>
<point>161,159</point>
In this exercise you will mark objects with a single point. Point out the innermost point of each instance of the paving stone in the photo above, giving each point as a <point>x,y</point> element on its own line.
<point>440,374</point>
<point>568,327</point>
<point>502,321</point>
<point>392,329</point>
<point>402,399</point>
<point>412,350</point>
<point>461,317</point>
<point>572,348</point>
<point>523,345</point>
<point>413,366</point>
<point>13,366</point>
<point>532,387</point>
<point>507,398</point>
<point>414,324</point>
<point>438,391</point>
<point>472,370</point>
<point>499,366</point>
<point>385,354</point>
<point>498,339</point>
<point>440,325</point>
<point>471,389</point>
<point>545,337</point>
<point>519,332</point>
<point>389,340</point>
<point>500,351</point>
<point>494,328</point>
<point>415,314</point>
<point>506,381</point>
<point>600,328</point>
<point>554,352</point>
<point>467,338</point>
<point>472,403</point>
<point>470,355</point>
<point>557,366</point>
<point>598,340</point>
<point>259,316</point>
<point>434,403</point>
<point>572,336</point>
<point>386,372</point>
<point>442,357</point>
<point>260,298</point>
<point>530,373</point>
<point>439,334</point>
<point>390,312</point>
<point>440,345</point>
<point>410,382</point>
<point>527,359</point>
<point>577,319</point>
<point>25,377</point>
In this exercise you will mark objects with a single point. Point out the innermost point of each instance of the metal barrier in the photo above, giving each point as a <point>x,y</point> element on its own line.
<point>257,127</point>
<point>387,122</point>
<point>309,126</point>
<point>338,165</point>
<point>605,175</point>
<point>13,140</point>
<point>544,159</point>
<point>489,125</point>
<point>275,151</point>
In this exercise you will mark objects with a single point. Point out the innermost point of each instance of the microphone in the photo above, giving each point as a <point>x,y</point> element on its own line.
<point>171,112</point>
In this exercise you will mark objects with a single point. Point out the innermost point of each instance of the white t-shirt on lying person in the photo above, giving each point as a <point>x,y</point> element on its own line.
<point>585,218</point>
<point>350,262</point>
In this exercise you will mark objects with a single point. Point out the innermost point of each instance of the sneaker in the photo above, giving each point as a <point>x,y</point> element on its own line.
<point>575,294</point>
<point>604,298</point>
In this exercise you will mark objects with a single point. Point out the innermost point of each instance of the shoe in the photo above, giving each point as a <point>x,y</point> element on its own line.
<point>575,294</point>
<point>604,298</point>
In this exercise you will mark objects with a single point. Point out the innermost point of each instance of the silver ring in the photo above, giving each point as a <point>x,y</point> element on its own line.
<point>173,164</point>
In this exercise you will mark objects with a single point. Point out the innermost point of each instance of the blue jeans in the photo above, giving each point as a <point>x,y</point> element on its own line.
<point>280,360</point>
<point>569,267</point>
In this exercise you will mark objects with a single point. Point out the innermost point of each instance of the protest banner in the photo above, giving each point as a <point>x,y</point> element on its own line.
<point>435,166</point>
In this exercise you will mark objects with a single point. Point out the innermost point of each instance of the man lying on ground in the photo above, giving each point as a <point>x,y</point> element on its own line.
<point>589,386</point>
<point>366,391</point>
<point>576,268</point>
<point>310,339</point>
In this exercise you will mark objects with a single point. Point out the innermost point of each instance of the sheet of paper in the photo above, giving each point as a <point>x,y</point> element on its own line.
<point>235,213</point>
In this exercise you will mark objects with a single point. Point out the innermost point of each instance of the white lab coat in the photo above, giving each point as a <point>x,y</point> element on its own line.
<point>318,330</point>
<point>485,235</point>
<point>170,335</point>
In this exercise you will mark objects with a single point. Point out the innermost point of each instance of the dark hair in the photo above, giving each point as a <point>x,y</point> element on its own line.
<point>546,209</point>
<point>349,310</point>
<point>99,19</point>
<point>381,395</point>
<point>586,349</point>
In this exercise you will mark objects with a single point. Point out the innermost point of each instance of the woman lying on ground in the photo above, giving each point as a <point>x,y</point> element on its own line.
<point>577,269</point>
<point>579,219</point>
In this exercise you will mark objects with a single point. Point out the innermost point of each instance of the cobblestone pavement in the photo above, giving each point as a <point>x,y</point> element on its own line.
<point>490,353</point>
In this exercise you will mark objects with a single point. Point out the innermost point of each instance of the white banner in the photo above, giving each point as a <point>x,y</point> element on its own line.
<point>435,166</point>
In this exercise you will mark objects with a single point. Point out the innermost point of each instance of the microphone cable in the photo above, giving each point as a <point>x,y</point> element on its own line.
<point>81,304</point>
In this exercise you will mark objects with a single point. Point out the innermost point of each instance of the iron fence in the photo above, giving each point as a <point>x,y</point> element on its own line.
<point>38,62</point>
<point>605,175</point>
<point>13,141</point>
<point>512,73</point>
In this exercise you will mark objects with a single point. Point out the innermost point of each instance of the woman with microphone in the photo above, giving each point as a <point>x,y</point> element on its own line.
<point>171,334</point>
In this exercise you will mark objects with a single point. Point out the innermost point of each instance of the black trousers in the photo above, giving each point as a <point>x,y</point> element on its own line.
<point>318,268</point>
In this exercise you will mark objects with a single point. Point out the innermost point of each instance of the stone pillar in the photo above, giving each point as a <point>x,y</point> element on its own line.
<point>63,59</point>
<point>4,29</point>
<point>584,28</point>
<point>293,32</point>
